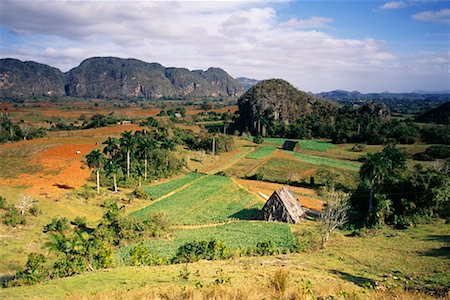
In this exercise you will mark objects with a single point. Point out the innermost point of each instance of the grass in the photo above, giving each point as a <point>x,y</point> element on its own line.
<point>211,199</point>
<point>159,190</point>
<point>393,259</point>
<point>236,235</point>
<point>262,152</point>
<point>325,161</point>
<point>304,144</point>
<point>17,160</point>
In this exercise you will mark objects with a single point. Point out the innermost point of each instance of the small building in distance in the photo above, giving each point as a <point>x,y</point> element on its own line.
<point>290,145</point>
<point>283,206</point>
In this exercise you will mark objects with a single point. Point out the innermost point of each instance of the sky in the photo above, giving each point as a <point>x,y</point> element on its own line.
<point>370,46</point>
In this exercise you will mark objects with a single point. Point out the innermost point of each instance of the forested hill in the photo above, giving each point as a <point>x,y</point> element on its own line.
<point>438,115</point>
<point>19,78</point>
<point>273,103</point>
<point>110,77</point>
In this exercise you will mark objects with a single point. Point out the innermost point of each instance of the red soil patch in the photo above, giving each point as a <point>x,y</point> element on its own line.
<point>62,170</point>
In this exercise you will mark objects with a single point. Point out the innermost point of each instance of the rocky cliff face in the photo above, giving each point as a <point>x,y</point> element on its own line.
<point>28,78</point>
<point>109,77</point>
<point>274,100</point>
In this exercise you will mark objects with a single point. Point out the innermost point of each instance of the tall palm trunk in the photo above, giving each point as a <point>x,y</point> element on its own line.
<point>115,183</point>
<point>370,198</point>
<point>128,163</point>
<point>145,168</point>
<point>98,181</point>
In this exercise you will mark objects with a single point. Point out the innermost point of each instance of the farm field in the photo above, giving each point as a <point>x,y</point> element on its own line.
<point>262,152</point>
<point>212,199</point>
<point>237,235</point>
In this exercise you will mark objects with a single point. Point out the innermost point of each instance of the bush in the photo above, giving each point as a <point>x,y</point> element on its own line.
<point>266,248</point>
<point>57,225</point>
<point>13,218</point>
<point>34,271</point>
<point>139,193</point>
<point>3,203</point>
<point>194,251</point>
<point>140,256</point>
<point>34,211</point>
<point>258,139</point>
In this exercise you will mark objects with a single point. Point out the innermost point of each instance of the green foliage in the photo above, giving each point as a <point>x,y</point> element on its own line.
<point>140,256</point>
<point>13,217</point>
<point>258,139</point>
<point>3,203</point>
<point>204,141</point>
<point>34,211</point>
<point>266,248</point>
<point>140,193</point>
<point>11,132</point>
<point>57,225</point>
<point>34,271</point>
<point>194,251</point>
<point>262,152</point>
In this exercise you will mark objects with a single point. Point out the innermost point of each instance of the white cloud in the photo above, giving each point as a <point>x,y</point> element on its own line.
<point>244,38</point>
<point>393,5</point>
<point>310,23</point>
<point>440,16</point>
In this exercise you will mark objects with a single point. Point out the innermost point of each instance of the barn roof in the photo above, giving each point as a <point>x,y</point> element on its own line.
<point>283,206</point>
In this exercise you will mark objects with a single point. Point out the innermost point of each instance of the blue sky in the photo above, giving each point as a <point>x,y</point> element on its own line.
<point>371,46</point>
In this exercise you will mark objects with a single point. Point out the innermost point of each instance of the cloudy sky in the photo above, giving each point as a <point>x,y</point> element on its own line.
<point>371,46</point>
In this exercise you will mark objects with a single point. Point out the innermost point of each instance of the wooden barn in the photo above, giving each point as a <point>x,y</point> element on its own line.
<point>283,206</point>
<point>290,145</point>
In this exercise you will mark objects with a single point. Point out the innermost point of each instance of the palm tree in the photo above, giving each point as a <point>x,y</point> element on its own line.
<point>145,147</point>
<point>113,169</point>
<point>127,142</point>
<point>111,148</point>
<point>96,160</point>
<point>374,170</point>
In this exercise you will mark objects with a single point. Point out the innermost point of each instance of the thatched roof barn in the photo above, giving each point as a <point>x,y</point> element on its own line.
<point>290,145</point>
<point>283,206</point>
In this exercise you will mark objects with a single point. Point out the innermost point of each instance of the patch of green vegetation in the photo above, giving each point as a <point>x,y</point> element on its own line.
<point>236,235</point>
<point>324,161</point>
<point>159,190</point>
<point>262,152</point>
<point>304,144</point>
<point>211,199</point>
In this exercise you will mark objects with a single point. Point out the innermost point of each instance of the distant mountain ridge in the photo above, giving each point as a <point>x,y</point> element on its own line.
<point>344,96</point>
<point>111,77</point>
<point>247,83</point>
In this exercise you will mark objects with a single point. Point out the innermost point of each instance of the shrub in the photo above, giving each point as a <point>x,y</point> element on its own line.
<point>358,148</point>
<point>13,218</point>
<point>139,193</point>
<point>266,248</point>
<point>3,203</point>
<point>140,256</point>
<point>258,139</point>
<point>34,271</point>
<point>194,251</point>
<point>57,225</point>
<point>34,211</point>
<point>80,223</point>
